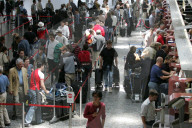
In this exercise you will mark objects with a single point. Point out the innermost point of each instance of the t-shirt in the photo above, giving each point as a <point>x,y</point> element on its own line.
<point>50,48</point>
<point>148,110</point>
<point>156,73</point>
<point>30,36</point>
<point>62,39</point>
<point>4,83</point>
<point>108,57</point>
<point>38,76</point>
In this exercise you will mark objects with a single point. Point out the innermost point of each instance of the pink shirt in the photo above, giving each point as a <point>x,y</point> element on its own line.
<point>94,122</point>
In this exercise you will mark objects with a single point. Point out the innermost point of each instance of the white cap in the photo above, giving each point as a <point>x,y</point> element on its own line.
<point>41,24</point>
<point>58,31</point>
<point>98,31</point>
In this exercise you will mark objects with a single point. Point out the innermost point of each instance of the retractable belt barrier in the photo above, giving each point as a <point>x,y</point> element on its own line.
<point>37,105</point>
<point>15,28</point>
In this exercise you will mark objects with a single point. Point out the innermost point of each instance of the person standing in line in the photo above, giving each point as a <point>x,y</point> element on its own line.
<point>49,50</point>
<point>148,110</point>
<point>152,19</point>
<point>37,82</point>
<point>34,11</point>
<point>64,28</point>
<point>61,38</point>
<point>108,55</point>
<point>39,8</point>
<point>94,111</point>
<point>49,5</point>
<point>4,84</point>
<point>128,13</point>
<point>18,85</point>
<point>97,44</point>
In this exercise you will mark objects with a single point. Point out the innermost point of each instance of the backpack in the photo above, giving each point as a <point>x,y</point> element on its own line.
<point>84,56</point>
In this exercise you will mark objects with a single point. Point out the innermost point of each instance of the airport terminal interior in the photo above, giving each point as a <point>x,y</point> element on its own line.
<point>132,57</point>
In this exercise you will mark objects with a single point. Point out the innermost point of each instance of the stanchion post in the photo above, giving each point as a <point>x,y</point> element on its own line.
<point>23,30</point>
<point>23,115</point>
<point>81,102</point>
<point>70,117</point>
<point>1,29</point>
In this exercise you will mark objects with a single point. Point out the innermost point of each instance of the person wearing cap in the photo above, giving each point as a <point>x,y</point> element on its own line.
<point>61,38</point>
<point>97,44</point>
<point>42,32</point>
<point>108,56</point>
<point>4,84</point>
<point>18,85</point>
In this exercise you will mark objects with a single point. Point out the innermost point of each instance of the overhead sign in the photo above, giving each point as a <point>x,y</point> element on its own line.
<point>70,97</point>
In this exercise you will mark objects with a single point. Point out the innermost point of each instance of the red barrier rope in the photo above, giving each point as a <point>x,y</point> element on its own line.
<point>138,24</point>
<point>50,74</point>
<point>5,22</point>
<point>15,28</point>
<point>24,16</point>
<point>11,104</point>
<point>50,106</point>
<point>144,24</point>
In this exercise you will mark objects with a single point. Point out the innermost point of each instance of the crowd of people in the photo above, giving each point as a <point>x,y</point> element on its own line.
<point>23,75</point>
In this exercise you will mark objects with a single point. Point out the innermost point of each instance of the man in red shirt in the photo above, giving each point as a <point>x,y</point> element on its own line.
<point>37,82</point>
<point>160,38</point>
<point>94,111</point>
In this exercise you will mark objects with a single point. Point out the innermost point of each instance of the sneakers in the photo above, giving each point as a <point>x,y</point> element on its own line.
<point>27,125</point>
<point>110,89</point>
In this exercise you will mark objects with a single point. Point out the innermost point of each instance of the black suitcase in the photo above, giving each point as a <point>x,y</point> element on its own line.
<point>76,86</point>
<point>135,83</point>
<point>98,76</point>
<point>122,32</point>
<point>61,112</point>
<point>116,76</point>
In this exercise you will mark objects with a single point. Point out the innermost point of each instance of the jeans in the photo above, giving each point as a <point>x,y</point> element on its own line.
<point>108,76</point>
<point>30,113</point>
<point>32,46</point>
<point>153,85</point>
<point>109,34</point>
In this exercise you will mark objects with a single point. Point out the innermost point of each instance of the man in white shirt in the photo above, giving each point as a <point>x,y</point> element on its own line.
<point>61,38</point>
<point>50,46</point>
<point>34,10</point>
<point>152,19</point>
<point>149,37</point>
<point>65,29</point>
<point>148,110</point>
<point>39,6</point>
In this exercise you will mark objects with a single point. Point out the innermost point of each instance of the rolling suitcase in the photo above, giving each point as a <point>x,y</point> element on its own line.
<point>122,32</point>
<point>98,77</point>
<point>76,86</point>
<point>61,112</point>
<point>116,76</point>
